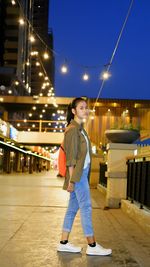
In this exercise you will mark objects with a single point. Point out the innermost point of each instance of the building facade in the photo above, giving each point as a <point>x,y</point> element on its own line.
<point>19,20</point>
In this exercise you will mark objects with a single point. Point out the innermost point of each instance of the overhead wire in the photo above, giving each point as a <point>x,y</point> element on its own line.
<point>114,51</point>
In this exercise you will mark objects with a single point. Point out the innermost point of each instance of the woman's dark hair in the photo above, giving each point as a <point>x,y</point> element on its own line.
<point>70,115</point>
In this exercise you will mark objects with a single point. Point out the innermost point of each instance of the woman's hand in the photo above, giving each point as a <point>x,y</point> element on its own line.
<point>70,187</point>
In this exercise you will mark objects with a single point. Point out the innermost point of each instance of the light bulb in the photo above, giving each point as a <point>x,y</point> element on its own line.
<point>40,74</point>
<point>21,21</point>
<point>32,39</point>
<point>85,77</point>
<point>64,69</point>
<point>13,2</point>
<point>46,55</point>
<point>105,75</point>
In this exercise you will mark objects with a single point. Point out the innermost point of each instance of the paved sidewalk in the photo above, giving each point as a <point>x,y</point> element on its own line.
<point>32,209</point>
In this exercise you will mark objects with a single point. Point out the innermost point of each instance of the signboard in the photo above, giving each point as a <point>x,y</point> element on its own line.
<point>13,133</point>
<point>4,128</point>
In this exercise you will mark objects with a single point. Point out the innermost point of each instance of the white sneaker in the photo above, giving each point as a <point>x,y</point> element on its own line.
<point>68,248</point>
<point>98,250</point>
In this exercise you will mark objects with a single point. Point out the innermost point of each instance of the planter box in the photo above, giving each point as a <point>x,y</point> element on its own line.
<point>122,136</point>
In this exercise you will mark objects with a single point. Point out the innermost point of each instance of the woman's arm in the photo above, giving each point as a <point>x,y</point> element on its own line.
<point>70,185</point>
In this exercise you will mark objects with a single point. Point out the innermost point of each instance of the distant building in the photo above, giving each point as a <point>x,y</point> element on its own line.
<point>18,69</point>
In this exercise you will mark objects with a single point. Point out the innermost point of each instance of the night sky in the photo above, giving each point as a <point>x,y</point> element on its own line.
<point>85,34</point>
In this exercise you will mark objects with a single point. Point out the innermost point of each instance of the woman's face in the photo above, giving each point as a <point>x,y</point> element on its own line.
<point>81,111</point>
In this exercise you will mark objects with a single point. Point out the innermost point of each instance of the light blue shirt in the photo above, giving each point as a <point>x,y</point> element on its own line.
<point>87,158</point>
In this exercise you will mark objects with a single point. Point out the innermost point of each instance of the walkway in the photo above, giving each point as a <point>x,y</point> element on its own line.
<point>32,208</point>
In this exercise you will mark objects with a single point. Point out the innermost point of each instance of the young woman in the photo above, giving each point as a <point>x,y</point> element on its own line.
<point>78,158</point>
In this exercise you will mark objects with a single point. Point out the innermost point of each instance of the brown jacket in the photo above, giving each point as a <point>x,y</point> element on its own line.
<point>75,147</point>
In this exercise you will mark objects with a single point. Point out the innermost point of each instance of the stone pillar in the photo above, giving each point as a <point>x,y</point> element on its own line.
<point>117,172</point>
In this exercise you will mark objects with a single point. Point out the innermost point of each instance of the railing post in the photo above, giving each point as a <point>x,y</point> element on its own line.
<point>40,126</point>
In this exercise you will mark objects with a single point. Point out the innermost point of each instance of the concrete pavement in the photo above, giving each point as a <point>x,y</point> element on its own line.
<point>32,208</point>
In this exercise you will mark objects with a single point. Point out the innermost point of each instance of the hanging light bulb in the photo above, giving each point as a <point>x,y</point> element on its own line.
<point>85,77</point>
<point>64,69</point>
<point>40,74</point>
<point>37,64</point>
<point>13,2</point>
<point>105,75</point>
<point>21,21</point>
<point>46,55</point>
<point>34,107</point>
<point>32,39</point>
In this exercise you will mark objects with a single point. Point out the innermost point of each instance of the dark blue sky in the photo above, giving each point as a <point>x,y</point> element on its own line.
<point>85,34</point>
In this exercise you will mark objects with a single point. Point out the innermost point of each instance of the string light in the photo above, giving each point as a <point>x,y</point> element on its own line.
<point>34,53</point>
<point>64,69</point>
<point>32,39</point>
<point>46,55</point>
<point>105,75</point>
<point>85,77</point>
<point>21,21</point>
<point>40,74</point>
<point>37,64</point>
<point>13,2</point>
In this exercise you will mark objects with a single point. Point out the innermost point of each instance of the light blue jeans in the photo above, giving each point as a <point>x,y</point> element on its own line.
<point>80,199</point>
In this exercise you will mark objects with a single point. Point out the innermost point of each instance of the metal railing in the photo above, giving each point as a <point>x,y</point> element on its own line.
<point>102,177</point>
<point>138,180</point>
